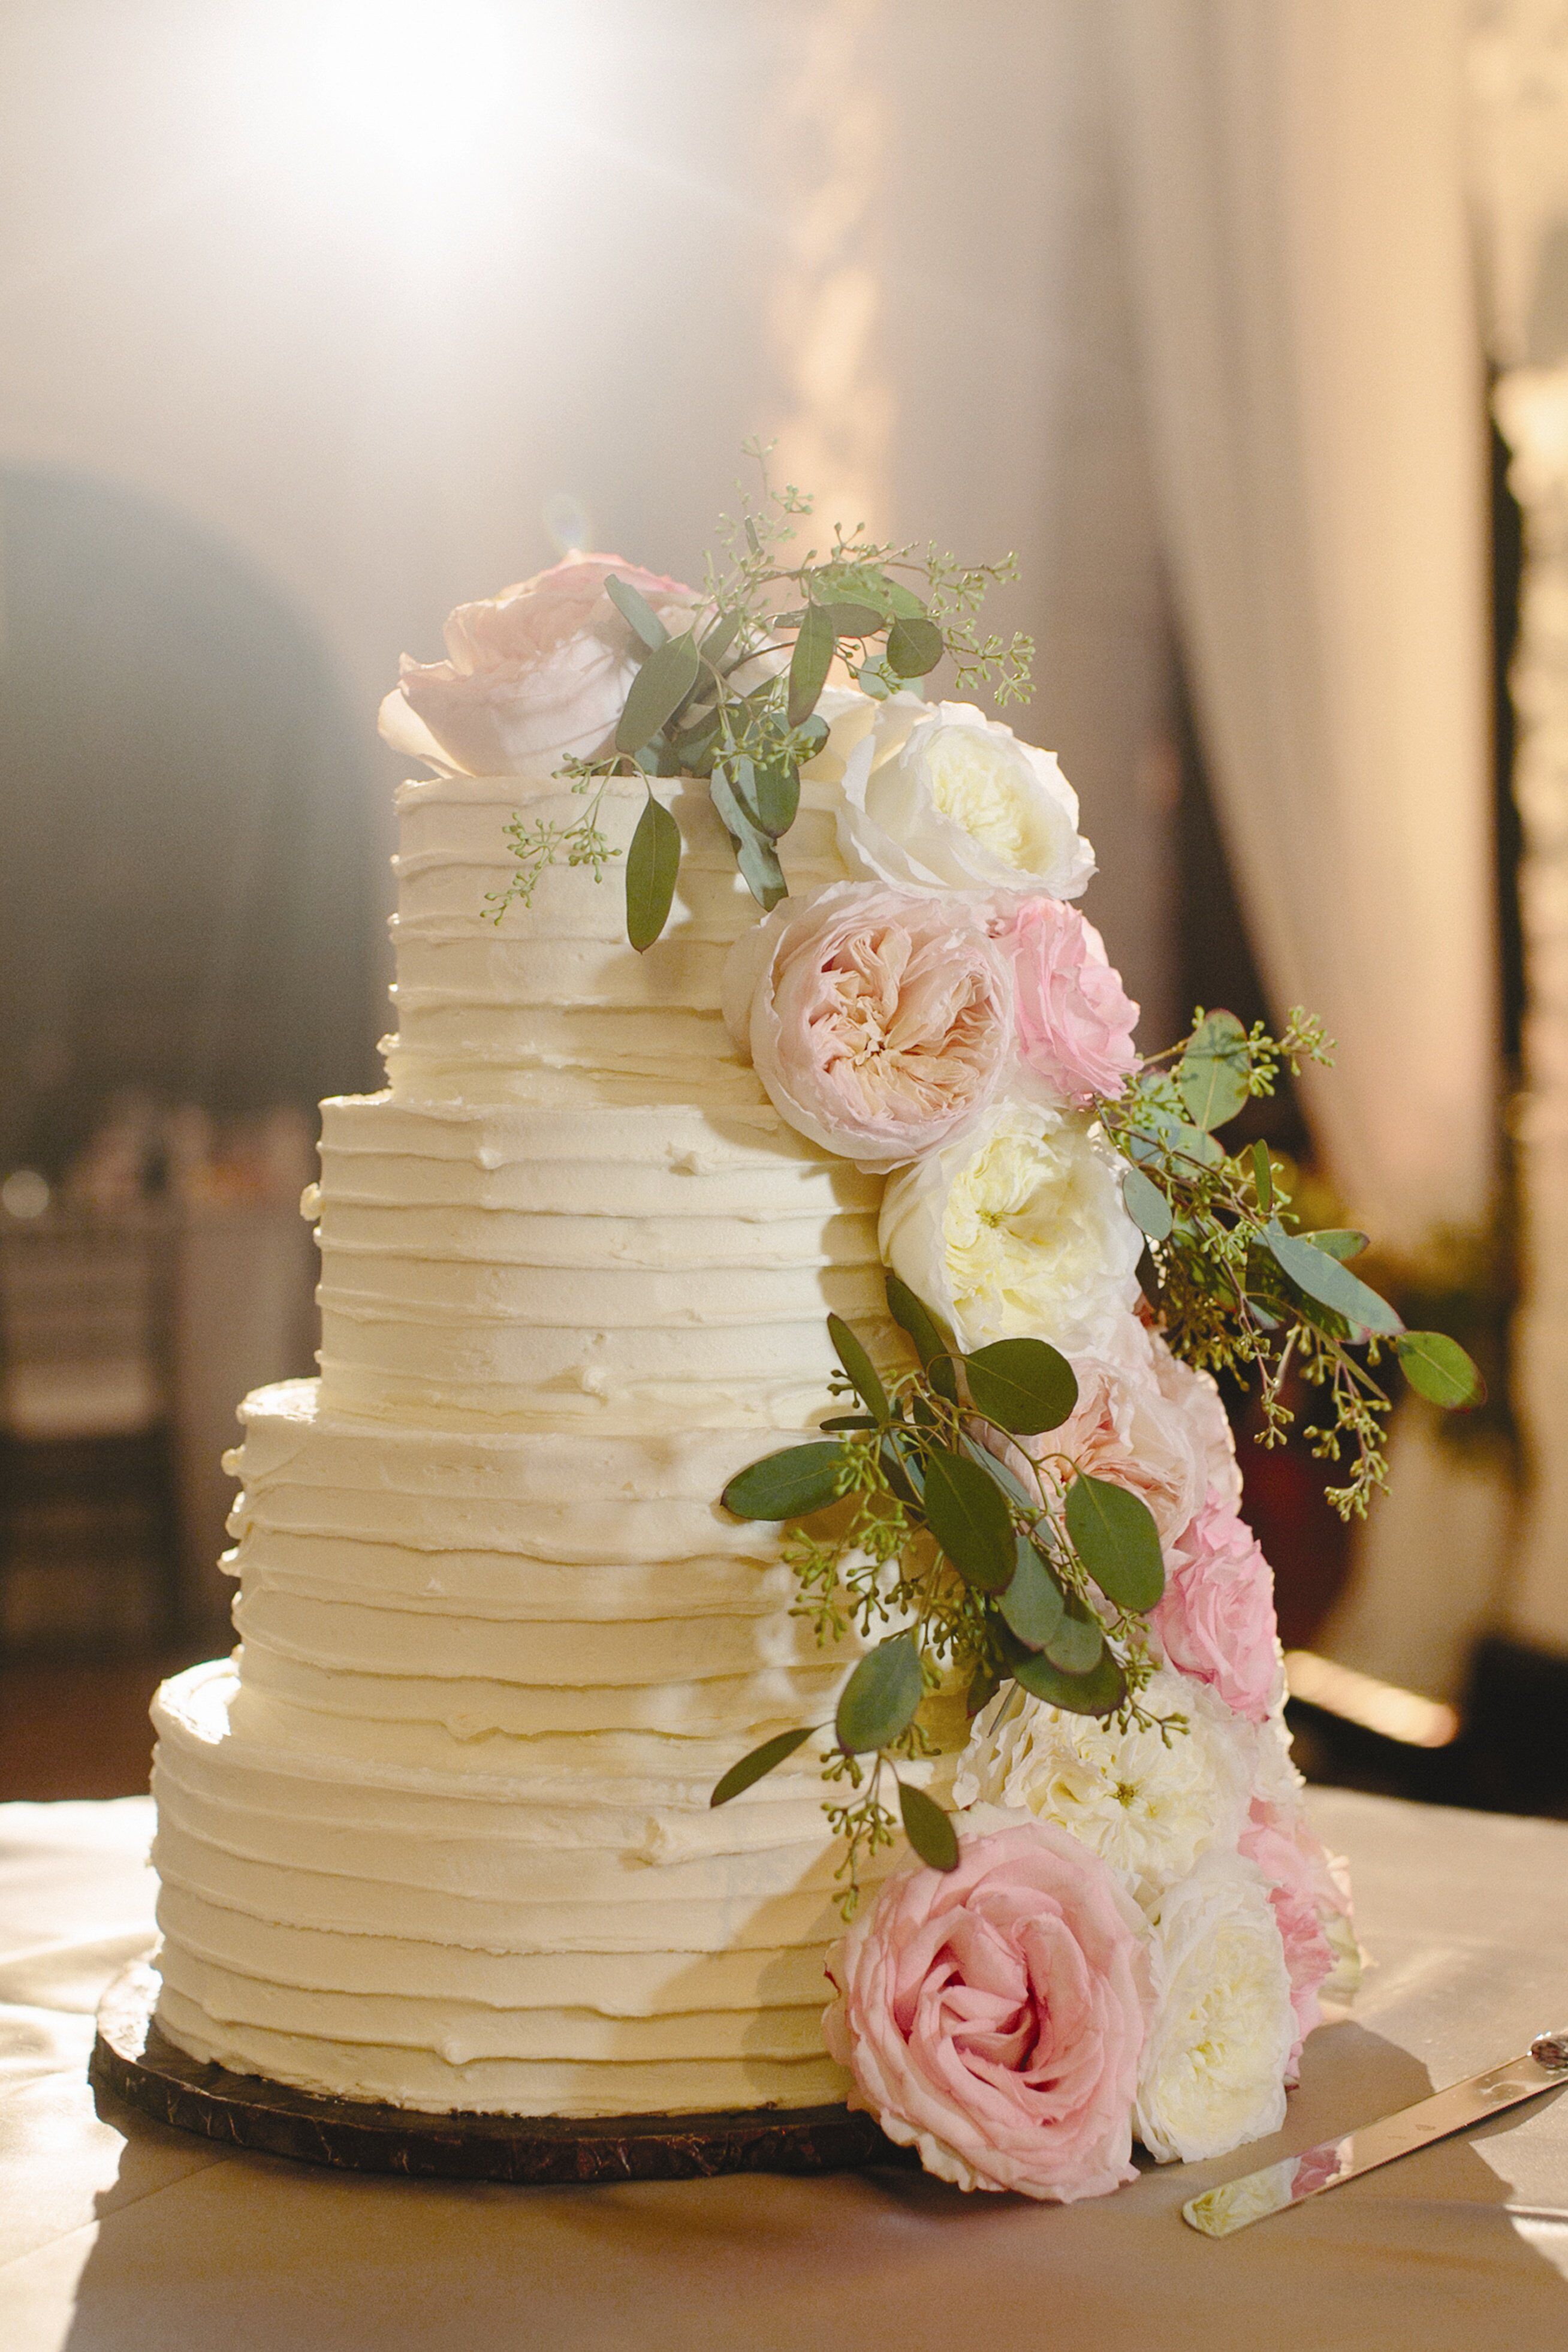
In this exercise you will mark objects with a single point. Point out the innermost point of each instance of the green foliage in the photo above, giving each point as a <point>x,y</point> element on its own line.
<point>733,701</point>
<point>652,861</point>
<point>929,1829</point>
<point>946,1559</point>
<point>1440,1370</point>
<point>879,1700</point>
<point>787,1485</point>
<point>1023,1385</point>
<point>1236,1287</point>
<point>760,1763</point>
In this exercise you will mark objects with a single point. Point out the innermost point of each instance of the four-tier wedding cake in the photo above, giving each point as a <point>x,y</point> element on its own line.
<point>509,1800</point>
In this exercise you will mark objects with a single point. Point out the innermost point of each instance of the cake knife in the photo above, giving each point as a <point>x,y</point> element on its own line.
<point>1221,2212</point>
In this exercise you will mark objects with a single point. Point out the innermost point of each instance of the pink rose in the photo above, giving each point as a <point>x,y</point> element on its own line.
<point>1073,1019</point>
<point>1215,1617</point>
<point>877,1018</point>
<point>1308,1893</point>
<point>1149,1422</point>
<point>540,671</point>
<point>993,2016</point>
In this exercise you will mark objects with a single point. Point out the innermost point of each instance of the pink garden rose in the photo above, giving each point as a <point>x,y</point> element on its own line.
<point>1215,1617</point>
<point>993,2016</point>
<point>878,1019</point>
<point>1311,1898</point>
<point>1150,1422</point>
<point>542,670</point>
<point>1072,1018</point>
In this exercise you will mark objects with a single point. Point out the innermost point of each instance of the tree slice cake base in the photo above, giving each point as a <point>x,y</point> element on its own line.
<point>132,2060</point>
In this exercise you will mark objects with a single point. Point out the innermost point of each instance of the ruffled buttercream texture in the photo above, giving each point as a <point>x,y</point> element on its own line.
<point>439,1834</point>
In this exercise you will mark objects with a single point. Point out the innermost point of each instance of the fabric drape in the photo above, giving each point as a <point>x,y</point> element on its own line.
<point>1294,175</point>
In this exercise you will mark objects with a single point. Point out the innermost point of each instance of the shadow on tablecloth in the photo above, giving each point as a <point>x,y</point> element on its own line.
<point>255,2254</point>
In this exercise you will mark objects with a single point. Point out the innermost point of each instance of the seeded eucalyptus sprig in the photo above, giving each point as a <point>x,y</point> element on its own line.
<point>733,698</point>
<point>987,1568</point>
<point>1234,1285</point>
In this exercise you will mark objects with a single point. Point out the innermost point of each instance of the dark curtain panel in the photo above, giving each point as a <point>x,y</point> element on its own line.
<point>185,895</point>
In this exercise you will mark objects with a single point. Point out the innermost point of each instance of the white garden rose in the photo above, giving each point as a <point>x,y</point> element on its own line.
<point>1017,1230</point>
<point>1213,2070</point>
<point>940,796</point>
<point>1148,1806</point>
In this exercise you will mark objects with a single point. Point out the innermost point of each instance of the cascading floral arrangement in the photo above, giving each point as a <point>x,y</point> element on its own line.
<point>1117,1919</point>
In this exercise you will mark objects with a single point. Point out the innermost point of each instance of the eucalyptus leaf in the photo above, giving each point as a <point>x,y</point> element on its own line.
<point>1115,1535</point>
<point>657,692</point>
<point>1025,1386</point>
<point>847,1421</point>
<point>1032,1604</point>
<point>652,866</point>
<point>810,662</point>
<point>994,1467</point>
<point>720,638</point>
<point>634,607</point>
<point>855,620</point>
<point>1161,1135</point>
<point>761,870</point>
<point>903,1473</point>
<point>914,646</point>
<point>932,1340</point>
<point>1322,1276</point>
<point>881,1696</point>
<point>1263,1177</point>
<point>1079,1638</point>
<point>929,1829</point>
<point>759,1763</point>
<point>859,1368</point>
<point>1438,1368</point>
<point>770,794</point>
<point>1100,1692</point>
<point>786,1486</point>
<point>967,1513</point>
<point>1146,1205</point>
<point>1340,1240</point>
<point>1211,1077</point>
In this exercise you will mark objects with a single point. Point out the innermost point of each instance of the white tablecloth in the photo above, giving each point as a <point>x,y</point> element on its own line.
<point>117,2235</point>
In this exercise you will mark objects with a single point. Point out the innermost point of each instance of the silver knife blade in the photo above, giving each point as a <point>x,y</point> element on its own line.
<point>1236,2204</point>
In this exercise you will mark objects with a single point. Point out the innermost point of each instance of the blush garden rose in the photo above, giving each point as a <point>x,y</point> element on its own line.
<point>878,1020</point>
<point>993,2015</point>
<point>540,671</point>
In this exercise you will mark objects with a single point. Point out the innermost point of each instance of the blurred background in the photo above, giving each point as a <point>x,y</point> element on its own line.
<point>1244,322</point>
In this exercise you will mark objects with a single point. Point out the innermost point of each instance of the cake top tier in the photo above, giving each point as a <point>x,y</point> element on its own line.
<point>549,1003</point>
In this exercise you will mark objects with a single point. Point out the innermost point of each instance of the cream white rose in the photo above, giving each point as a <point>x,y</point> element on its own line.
<point>1213,2070</point>
<point>1149,1807</point>
<point>1018,1229</point>
<point>942,797</point>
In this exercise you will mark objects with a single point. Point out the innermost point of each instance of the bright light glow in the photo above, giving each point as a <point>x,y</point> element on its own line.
<point>1384,1707</point>
<point>431,81</point>
<point>24,1194</point>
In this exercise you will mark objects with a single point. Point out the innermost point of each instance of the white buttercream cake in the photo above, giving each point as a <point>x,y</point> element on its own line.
<point>439,1833</point>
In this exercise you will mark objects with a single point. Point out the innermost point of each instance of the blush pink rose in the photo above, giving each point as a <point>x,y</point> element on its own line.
<point>1306,1893</point>
<point>540,671</point>
<point>1216,1618</point>
<point>993,2016</point>
<point>1149,1422</point>
<point>1073,1019</point>
<point>877,1019</point>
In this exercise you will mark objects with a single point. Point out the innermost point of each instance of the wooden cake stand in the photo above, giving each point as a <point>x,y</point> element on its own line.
<point>131,2059</point>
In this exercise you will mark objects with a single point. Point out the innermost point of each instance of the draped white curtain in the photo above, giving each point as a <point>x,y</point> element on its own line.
<point>1295,178</point>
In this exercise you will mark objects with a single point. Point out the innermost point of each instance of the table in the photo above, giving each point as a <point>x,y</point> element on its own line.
<point>119,2236</point>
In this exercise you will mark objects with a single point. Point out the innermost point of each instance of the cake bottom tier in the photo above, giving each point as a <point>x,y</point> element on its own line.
<point>470,1942</point>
